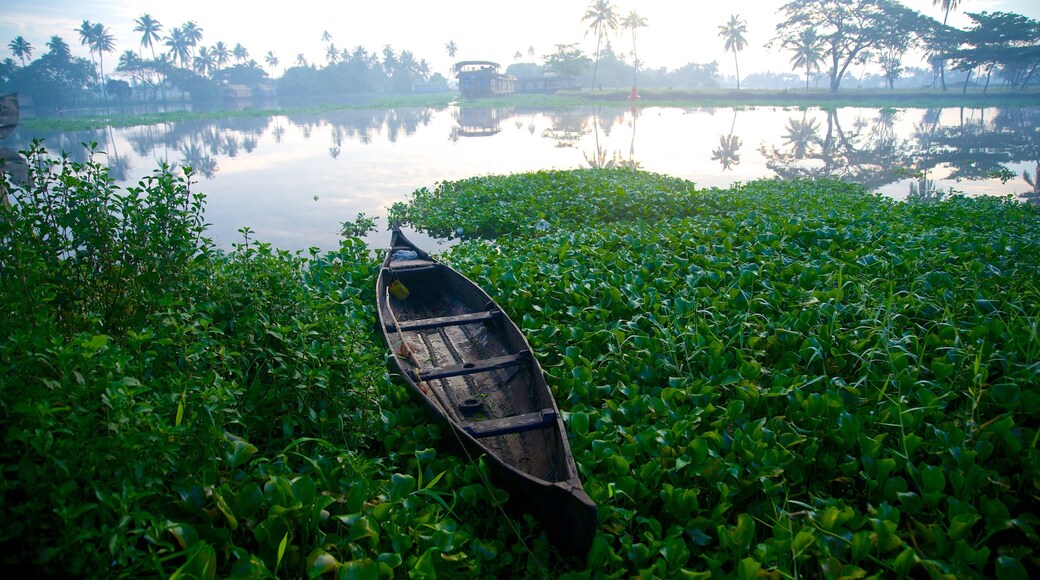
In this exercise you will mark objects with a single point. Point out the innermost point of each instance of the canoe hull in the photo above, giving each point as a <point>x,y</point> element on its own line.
<point>471,367</point>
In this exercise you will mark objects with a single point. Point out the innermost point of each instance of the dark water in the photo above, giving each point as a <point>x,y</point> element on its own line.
<point>293,179</point>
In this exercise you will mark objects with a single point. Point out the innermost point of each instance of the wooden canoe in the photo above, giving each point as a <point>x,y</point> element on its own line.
<point>471,367</point>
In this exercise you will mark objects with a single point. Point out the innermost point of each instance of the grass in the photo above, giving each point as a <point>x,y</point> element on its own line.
<point>779,379</point>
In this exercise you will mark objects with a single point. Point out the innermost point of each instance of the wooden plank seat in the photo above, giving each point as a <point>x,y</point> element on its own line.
<point>471,368</point>
<point>515,424</point>
<point>443,321</point>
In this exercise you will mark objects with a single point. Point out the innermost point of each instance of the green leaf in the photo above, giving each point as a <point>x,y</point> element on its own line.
<point>748,568</point>
<point>281,551</point>
<point>1009,568</point>
<point>319,562</point>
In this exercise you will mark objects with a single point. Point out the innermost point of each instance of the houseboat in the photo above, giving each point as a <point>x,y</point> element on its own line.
<point>481,78</point>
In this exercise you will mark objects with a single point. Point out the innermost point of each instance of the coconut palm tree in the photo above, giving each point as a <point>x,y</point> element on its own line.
<point>602,18</point>
<point>204,62</point>
<point>130,63</point>
<point>180,49</point>
<point>332,53</point>
<point>301,60</point>
<point>99,40</point>
<point>86,33</point>
<point>733,34</point>
<point>192,34</point>
<point>271,60</point>
<point>149,29</point>
<point>632,22</point>
<point>808,52</point>
<point>21,48</point>
<point>221,54</point>
<point>240,52</point>
<point>59,48</point>
<point>946,6</point>
<point>452,49</point>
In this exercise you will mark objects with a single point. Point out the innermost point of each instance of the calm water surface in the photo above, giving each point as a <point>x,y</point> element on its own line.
<point>294,179</point>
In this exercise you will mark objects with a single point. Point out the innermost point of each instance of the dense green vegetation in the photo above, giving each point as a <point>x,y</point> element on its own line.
<point>783,378</point>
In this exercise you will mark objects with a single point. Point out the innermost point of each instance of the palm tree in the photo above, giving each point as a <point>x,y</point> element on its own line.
<point>179,46</point>
<point>332,53</point>
<point>149,29</point>
<point>301,60</point>
<point>59,48</point>
<point>808,52</point>
<point>204,62</point>
<point>221,54</point>
<point>98,39</point>
<point>192,34</point>
<point>86,33</point>
<point>271,60</point>
<point>602,17</point>
<point>633,22</point>
<point>452,49</point>
<point>733,33</point>
<point>130,63</point>
<point>240,52</point>
<point>21,48</point>
<point>326,37</point>
<point>946,5</point>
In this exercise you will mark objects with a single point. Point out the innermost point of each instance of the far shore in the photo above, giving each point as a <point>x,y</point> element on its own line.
<point>618,97</point>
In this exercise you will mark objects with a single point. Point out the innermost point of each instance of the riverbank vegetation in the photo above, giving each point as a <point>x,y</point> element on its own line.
<point>781,378</point>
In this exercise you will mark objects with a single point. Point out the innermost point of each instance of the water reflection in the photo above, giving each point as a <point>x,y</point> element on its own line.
<point>271,170</point>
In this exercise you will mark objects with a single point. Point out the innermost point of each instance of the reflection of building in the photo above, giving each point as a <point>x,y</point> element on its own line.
<point>546,84</point>
<point>473,122</point>
<point>480,78</point>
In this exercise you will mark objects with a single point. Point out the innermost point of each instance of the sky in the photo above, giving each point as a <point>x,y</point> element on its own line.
<point>677,32</point>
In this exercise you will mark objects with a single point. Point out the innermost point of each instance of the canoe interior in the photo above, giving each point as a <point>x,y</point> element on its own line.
<point>476,367</point>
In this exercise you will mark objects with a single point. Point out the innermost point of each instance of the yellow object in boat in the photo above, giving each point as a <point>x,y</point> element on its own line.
<point>398,290</point>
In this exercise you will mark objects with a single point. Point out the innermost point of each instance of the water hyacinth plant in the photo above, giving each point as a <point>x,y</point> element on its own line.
<point>773,380</point>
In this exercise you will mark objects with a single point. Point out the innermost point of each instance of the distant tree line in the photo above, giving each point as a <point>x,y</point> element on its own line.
<point>825,38</point>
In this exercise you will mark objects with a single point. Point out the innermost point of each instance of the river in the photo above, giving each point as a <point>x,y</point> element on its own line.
<point>293,179</point>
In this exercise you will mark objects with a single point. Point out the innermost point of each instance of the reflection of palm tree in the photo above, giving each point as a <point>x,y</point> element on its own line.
<point>728,151</point>
<point>800,134</point>
<point>1032,196</point>
<point>733,34</point>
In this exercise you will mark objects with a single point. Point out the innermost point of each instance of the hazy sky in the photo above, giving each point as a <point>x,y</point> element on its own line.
<point>678,31</point>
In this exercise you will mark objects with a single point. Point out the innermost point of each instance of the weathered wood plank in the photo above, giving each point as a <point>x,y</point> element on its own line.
<point>471,368</point>
<point>443,321</point>
<point>515,424</point>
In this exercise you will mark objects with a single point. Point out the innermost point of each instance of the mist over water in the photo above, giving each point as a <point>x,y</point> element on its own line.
<point>293,179</point>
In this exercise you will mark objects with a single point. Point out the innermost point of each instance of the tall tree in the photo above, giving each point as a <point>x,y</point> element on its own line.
<point>192,34</point>
<point>732,33</point>
<point>601,17</point>
<point>847,28</point>
<point>633,22</point>
<point>58,48</point>
<point>808,52</point>
<point>149,29</point>
<point>180,48</point>
<point>86,34</point>
<point>240,52</point>
<point>947,6</point>
<point>221,54</point>
<point>21,48</point>
<point>271,60</point>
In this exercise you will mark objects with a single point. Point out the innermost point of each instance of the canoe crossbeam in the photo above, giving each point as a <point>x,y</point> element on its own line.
<point>445,321</point>
<point>515,424</point>
<point>472,368</point>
